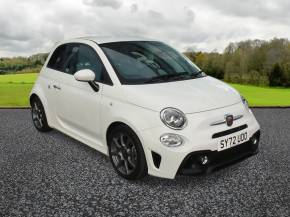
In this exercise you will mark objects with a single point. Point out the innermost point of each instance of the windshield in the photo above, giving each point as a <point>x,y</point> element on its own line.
<point>140,62</point>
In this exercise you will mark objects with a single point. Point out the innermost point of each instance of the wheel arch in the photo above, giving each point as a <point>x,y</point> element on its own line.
<point>114,125</point>
<point>37,92</point>
<point>32,96</point>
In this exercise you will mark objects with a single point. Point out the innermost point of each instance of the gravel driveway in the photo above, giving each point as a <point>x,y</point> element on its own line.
<point>53,175</point>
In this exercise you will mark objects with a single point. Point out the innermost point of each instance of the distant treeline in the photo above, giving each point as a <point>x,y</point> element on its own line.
<point>254,62</point>
<point>22,64</point>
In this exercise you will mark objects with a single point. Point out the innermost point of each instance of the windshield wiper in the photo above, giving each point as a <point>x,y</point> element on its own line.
<point>200,73</point>
<point>168,77</point>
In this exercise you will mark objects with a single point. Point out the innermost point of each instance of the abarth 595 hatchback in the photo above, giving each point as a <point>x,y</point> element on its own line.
<point>145,105</point>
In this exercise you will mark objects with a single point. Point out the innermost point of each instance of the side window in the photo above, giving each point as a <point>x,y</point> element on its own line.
<point>57,58</point>
<point>64,58</point>
<point>89,59</point>
<point>71,56</point>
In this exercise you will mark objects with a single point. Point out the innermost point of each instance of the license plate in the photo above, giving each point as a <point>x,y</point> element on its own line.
<point>232,140</point>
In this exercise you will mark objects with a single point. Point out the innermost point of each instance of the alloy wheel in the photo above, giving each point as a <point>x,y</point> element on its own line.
<point>37,115</point>
<point>124,154</point>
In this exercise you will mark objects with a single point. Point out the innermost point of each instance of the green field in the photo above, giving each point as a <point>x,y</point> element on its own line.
<point>264,96</point>
<point>15,88</point>
<point>14,92</point>
<point>28,78</point>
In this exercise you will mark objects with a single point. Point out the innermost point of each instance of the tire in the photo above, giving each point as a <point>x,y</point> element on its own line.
<point>38,115</point>
<point>126,153</point>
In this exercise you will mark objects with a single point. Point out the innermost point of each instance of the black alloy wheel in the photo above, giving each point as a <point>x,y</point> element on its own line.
<point>126,153</point>
<point>38,115</point>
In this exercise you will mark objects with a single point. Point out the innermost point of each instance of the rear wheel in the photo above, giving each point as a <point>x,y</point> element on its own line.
<point>38,115</point>
<point>126,153</point>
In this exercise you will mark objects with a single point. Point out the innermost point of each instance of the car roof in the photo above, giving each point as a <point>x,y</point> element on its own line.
<point>108,39</point>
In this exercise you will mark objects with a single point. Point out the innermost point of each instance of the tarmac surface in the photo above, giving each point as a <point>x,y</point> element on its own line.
<point>50,174</point>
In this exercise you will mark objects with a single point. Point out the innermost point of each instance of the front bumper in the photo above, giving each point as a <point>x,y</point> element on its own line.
<point>198,136</point>
<point>193,164</point>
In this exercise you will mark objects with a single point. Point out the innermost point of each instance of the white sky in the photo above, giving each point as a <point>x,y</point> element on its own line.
<point>32,26</point>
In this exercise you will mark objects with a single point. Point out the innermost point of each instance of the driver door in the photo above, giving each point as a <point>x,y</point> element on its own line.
<point>78,106</point>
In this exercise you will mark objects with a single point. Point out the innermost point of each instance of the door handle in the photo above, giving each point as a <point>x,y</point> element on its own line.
<point>56,87</point>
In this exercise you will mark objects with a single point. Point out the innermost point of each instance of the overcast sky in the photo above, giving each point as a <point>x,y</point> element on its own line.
<point>32,26</point>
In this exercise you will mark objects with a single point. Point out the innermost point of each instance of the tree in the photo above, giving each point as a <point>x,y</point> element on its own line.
<point>249,62</point>
<point>276,75</point>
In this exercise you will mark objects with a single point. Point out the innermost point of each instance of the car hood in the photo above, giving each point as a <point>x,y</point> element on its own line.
<point>189,96</point>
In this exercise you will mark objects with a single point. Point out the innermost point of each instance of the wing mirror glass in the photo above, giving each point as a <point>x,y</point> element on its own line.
<point>84,75</point>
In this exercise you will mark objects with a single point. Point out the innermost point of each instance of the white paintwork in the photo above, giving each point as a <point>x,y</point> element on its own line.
<point>84,75</point>
<point>85,115</point>
<point>189,96</point>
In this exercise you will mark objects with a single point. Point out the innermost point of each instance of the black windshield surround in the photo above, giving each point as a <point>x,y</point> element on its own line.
<point>143,62</point>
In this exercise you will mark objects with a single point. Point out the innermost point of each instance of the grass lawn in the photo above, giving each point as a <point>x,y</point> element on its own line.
<point>18,78</point>
<point>15,89</point>
<point>14,95</point>
<point>264,96</point>
<point>14,92</point>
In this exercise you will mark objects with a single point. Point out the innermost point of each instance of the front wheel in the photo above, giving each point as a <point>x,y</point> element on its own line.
<point>126,153</point>
<point>38,115</point>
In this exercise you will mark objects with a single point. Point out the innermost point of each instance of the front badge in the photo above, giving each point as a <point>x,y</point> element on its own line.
<point>229,119</point>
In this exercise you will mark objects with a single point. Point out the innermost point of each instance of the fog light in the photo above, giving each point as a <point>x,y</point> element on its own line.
<point>204,160</point>
<point>254,140</point>
<point>171,140</point>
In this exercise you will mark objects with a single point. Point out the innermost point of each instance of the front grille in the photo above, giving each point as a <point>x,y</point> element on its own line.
<point>231,154</point>
<point>192,165</point>
<point>230,131</point>
<point>192,162</point>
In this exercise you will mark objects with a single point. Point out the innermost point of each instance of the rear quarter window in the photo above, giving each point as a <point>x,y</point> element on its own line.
<point>57,59</point>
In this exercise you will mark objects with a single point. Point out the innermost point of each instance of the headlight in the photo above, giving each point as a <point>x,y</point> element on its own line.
<point>173,118</point>
<point>245,102</point>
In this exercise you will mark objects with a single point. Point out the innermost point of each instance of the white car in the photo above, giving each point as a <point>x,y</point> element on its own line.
<point>145,105</point>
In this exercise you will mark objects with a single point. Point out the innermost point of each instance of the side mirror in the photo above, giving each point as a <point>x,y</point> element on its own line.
<point>85,75</point>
